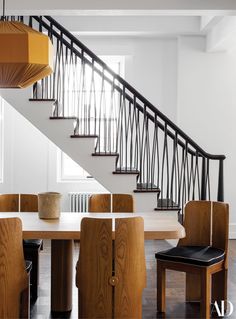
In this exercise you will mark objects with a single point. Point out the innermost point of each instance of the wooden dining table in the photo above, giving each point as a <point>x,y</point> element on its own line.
<point>63,231</point>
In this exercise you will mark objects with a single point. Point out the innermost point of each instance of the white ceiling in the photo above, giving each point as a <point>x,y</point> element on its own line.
<point>215,19</point>
<point>123,7</point>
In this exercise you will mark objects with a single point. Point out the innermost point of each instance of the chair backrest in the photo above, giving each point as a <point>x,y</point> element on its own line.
<point>100,203</point>
<point>13,276</point>
<point>111,274</point>
<point>206,223</point>
<point>130,267</point>
<point>120,203</point>
<point>28,203</point>
<point>9,202</point>
<point>95,268</point>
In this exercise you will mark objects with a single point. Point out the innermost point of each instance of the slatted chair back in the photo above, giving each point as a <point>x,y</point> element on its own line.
<point>206,223</point>
<point>100,203</point>
<point>122,203</point>
<point>13,276</point>
<point>28,203</point>
<point>9,202</point>
<point>111,274</point>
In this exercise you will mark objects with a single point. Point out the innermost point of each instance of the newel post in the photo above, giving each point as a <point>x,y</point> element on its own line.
<point>203,183</point>
<point>220,194</point>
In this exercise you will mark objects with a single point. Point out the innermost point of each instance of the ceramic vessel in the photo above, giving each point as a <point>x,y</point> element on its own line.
<point>49,205</point>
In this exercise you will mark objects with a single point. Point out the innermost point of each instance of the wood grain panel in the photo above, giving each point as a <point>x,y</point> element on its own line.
<point>197,223</point>
<point>122,203</point>
<point>9,202</point>
<point>220,227</point>
<point>100,203</point>
<point>130,267</point>
<point>61,275</point>
<point>28,203</point>
<point>220,236</point>
<point>94,269</point>
<point>13,277</point>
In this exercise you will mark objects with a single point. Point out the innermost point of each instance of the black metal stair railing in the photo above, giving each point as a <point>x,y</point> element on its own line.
<point>166,160</point>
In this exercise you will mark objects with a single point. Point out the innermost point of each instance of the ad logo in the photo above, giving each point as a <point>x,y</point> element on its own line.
<point>220,308</point>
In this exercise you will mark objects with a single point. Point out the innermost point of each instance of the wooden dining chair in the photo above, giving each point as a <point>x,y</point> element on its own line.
<point>32,247</point>
<point>14,287</point>
<point>202,254</point>
<point>24,203</point>
<point>111,274</point>
<point>28,203</point>
<point>100,203</point>
<point>9,202</point>
<point>120,203</point>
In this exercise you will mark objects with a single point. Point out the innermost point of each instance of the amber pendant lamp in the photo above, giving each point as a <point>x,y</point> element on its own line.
<point>26,55</point>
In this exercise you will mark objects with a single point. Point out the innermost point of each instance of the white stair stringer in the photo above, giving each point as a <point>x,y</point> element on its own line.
<point>59,132</point>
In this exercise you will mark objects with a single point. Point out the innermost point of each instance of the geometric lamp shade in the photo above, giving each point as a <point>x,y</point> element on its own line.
<point>26,55</point>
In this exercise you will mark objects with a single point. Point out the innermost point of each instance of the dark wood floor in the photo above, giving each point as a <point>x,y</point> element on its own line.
<point>176,307</point>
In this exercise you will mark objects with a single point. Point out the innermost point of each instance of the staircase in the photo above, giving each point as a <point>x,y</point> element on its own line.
<point>112,131</point>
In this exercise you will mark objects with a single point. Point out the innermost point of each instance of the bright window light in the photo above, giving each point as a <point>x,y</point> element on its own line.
<point>68,170</point>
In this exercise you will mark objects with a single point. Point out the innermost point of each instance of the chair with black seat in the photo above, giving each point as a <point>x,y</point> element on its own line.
<point>14,287</point>
<point>26,202</point>
<point>202,254</point>
<point>111,273</point>
<point>29,203</point>
<point>116,203</point>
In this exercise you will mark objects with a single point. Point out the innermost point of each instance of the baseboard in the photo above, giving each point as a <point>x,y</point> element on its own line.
<point>232,231</point>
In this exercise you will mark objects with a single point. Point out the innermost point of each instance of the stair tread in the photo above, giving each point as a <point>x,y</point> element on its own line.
<point>167,204</point>
<point>42,100</point>
<point>169,208</point>
<point>63,118</point>
<point>147,188</point>
<point>126,171</point>
<point>105,154</point>
<point>83,136</point>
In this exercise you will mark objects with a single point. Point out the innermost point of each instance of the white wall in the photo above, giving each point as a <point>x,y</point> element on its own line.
<point>207,105</point>
<point>30,161</point>
<point>150,66</point>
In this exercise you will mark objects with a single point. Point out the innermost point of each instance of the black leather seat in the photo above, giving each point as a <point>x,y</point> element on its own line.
<point>195,255</point>
<point>33,243</point>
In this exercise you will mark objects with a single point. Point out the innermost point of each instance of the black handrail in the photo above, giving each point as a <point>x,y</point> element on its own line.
<point>167,159</point>
<point>129,87</point>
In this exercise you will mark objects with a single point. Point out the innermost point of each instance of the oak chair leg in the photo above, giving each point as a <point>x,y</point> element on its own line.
<point>193,287</point>
<point>205,294</point>
<point>25,303</point>
<point>161,287</point>
<point>61,275</point>
<point>219,286</point>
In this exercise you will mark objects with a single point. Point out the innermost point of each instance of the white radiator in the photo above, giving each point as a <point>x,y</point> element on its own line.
<point>79,202</point>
